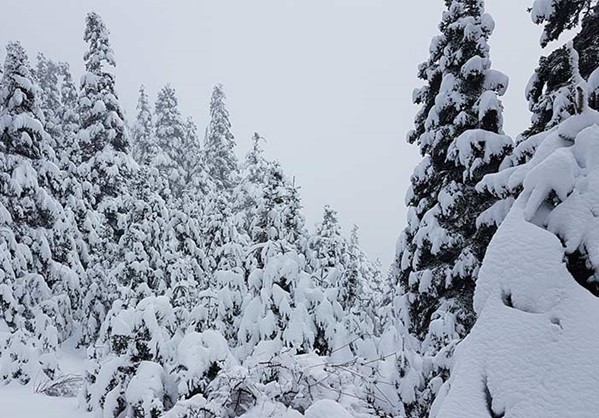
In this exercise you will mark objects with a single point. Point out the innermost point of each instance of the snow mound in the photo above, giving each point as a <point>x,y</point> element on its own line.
<point>535,348</point>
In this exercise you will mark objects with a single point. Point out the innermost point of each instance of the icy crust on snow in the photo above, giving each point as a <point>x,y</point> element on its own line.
<point>535,348</point>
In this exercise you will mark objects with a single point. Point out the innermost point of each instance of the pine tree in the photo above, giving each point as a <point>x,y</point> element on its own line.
<point>458,131</point>
<point>131,379</point>
<point>552,89</point>
<point>220,161</point>
<point>67,149</point>
<point>170,135</point>
<point>330,251</point>
<point>559,16</point>
<point>277,224</point>
<point>101,115</point>
<point>364,289</point>
<point>277,307</point>
<point>104,173</point>
<point>47,75</point>
<point>224,243</point>
<point>144,145</point>
<point>102,138</point>
<point>38,284</point>
<point>147,251</point>
<point>195,178</point>
<point>249,192</point>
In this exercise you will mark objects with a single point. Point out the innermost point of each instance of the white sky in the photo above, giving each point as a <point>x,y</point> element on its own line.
<point>327,82</point>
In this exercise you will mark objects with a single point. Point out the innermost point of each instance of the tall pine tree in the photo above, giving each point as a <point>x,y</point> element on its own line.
<point>219,157</point>
<point>104,172</point>
<point>170,135</point>
<point>143,143</point>
<point>39,284</point>
<point>458,131</point>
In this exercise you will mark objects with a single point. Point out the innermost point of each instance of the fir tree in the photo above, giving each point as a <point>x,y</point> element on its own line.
<point>457,131</point>
<point>144,146</point>
<point>552,89</point>
<point>224,243</point>
<point>194,177</point>
<point>140,342</point>
<point>330,250</point>
<point>104,172</point>
<point>68,149</point>
<point>101,115</point>
<point>170,135</point>
<point>277,307</point>
<point>47,74</point>
<point>248,193</point>
<point>559,16</point>
<point>39,287</point>
<point>219,157</point>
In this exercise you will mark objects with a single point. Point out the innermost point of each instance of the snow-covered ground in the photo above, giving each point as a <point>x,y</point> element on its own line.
<point>21,402</point>
<point>18,401</point>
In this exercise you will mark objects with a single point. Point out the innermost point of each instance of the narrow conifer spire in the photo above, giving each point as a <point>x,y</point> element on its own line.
<point>220,159</point>
<point>144,148</point>
<point>101,114</point>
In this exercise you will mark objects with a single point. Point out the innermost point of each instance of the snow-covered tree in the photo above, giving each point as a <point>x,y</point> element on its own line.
<point>170,136</point>
<point>277,224</point>
<point>195,178</point>
<point>248,194</point>
<point>39,287</point>
<point>330,255</point>
<point>224,244</point>
<point>282,296</point>
<point>220,161</point>
<point>551,91</point>
<point>144,147</point>
<point>363,293</point>
<point>67,149</point>
<point>458,131</point>
<point>101,114</point>
<point>131,379</point>
<point>537,286</point>
<point>148,251</point>
<point>559,16</point>
<point>105,169</point>
<point>47,74</point>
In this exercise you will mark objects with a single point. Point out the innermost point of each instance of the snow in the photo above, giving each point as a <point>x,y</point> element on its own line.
<point>146,388</point>
<point>474,66</point>
<point>532,346</point>
<point>18,401</point>
<point>534,349</point>
<point>489,144</point>
<point>541,10</point>
<point>327,409</point>
<point>21,402</point>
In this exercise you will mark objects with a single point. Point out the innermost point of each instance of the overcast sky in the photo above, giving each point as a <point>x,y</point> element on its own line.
<point>327,82</point>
